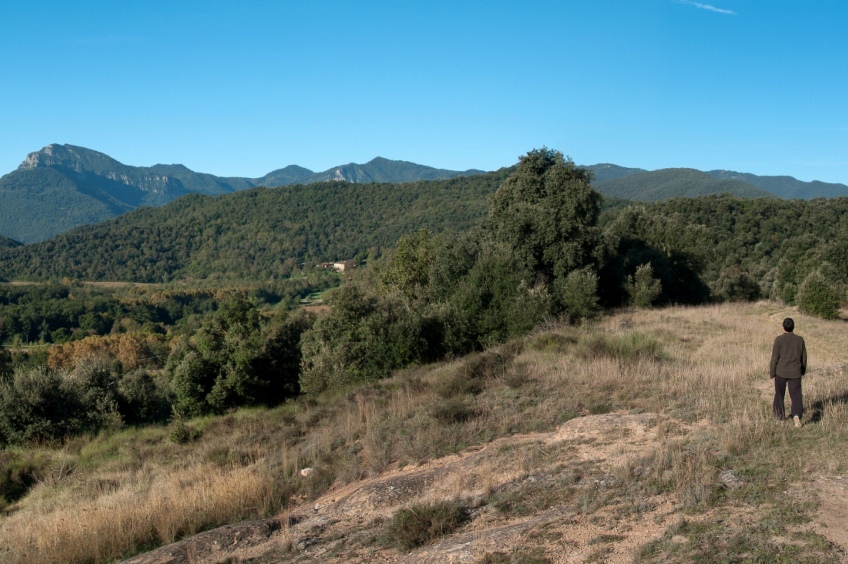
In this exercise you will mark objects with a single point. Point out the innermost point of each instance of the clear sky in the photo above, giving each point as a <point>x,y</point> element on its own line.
<point>239,88</point>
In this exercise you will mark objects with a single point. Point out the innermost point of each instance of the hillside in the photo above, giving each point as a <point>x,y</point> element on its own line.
<point>651,462</point>
<point>605,171</point>
<point>256,233</point>
<point>674,183</point>
<point>64,186</point>
<point>6,243</point>
<point>785,186</point>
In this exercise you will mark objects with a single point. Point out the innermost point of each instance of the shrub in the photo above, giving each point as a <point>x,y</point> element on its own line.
<point>819,296</point>
<point>642,287</point>
<point>230,363</point>
<point>578,294</point>
<point>364,337</point>
<point>17,473</point>
<point>458,384</point>
<point>555,343</point>
<point>422,523</point>
<point>39,405</point>
<point>734,285</point>
<point>141,399</point>
<point>452,410</point>
<point>95,381</point>
<point>180,433</point>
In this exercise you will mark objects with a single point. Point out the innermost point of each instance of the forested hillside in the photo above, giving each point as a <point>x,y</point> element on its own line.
<point>785,186</point>
<point>254,234</point>
<point>6,243</point>
<point>672,183</point>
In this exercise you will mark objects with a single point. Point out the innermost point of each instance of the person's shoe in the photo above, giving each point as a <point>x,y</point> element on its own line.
<point>797,421</point>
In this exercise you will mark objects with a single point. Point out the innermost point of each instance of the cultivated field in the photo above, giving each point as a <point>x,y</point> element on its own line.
<point>645,436</point>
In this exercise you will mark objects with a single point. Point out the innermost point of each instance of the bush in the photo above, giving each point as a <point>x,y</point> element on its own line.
<point>578,294</point>
<point>422,523</point>
<point>180,433</point>
<point>364,337</point>
<point>452,410</point>
<point>95,380</point>
<point>555,343</point>
<point>17,474</point>
<point>642,287</point>
<point>493,302</point>
<point>819,296</point>
<point>734,285</point>
<point>141,399</point>
<point>40,405</point>
<point>232,361</point>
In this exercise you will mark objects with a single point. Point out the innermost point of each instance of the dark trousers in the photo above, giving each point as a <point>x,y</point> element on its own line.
<point>794,394</point>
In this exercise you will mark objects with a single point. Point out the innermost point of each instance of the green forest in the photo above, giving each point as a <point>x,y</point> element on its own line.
<point>256,234</point>
<point>452,267</point>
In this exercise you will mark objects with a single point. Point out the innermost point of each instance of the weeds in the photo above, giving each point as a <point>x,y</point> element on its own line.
<point>422,523</point>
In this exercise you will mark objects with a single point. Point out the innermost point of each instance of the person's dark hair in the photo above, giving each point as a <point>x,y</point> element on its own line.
<point>788,325</point>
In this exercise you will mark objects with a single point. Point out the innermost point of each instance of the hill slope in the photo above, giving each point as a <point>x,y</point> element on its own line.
<point>606,171</point>
<point>6,243</point>
<point>254,233</point>
<point>64,186</point>
<point>785,186</point>
<point>674,183</point>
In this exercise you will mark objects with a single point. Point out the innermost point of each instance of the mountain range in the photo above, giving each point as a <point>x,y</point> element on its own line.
<point>64,186</point>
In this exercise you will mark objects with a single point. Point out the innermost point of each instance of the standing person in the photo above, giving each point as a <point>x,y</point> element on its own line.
<point>788,364</point>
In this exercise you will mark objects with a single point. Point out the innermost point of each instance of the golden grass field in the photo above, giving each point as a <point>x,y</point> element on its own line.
<point>651,431</point>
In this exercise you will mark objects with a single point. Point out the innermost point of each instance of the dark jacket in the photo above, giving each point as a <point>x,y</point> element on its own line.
<point>788,357</point>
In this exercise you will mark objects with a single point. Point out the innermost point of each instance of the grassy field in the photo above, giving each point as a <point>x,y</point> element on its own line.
<point>740,484</point>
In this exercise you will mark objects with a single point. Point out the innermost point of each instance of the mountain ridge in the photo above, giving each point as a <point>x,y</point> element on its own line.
<point>63,186</point>
<point>651,186</point>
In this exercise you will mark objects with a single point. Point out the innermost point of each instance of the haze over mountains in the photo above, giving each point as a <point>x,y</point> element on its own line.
<point>64,186</point>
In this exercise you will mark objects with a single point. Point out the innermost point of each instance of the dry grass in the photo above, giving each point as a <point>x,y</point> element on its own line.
<point>703,370</point>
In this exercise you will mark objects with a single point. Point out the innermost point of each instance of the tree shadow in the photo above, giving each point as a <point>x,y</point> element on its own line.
<point>818,408</point>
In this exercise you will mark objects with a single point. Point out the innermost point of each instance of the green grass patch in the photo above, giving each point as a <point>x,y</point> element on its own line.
<point>628,346</point>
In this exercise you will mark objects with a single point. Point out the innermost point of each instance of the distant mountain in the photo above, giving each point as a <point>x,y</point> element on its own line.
<point>785,186</point>
<point>673,183</point>
<point>63,186</point>
<point>606,171</point>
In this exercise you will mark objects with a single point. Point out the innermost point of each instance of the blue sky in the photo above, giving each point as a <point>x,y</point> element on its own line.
<point>244,87</point>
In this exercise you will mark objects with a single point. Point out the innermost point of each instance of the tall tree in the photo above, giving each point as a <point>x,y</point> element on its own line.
<point>547,212</point>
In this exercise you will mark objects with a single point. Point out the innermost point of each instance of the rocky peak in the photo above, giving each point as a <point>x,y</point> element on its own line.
<point>52,154</point>
<point>69,156</point>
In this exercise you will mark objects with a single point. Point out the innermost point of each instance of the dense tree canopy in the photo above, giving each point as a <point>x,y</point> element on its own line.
<point>546,212</point>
